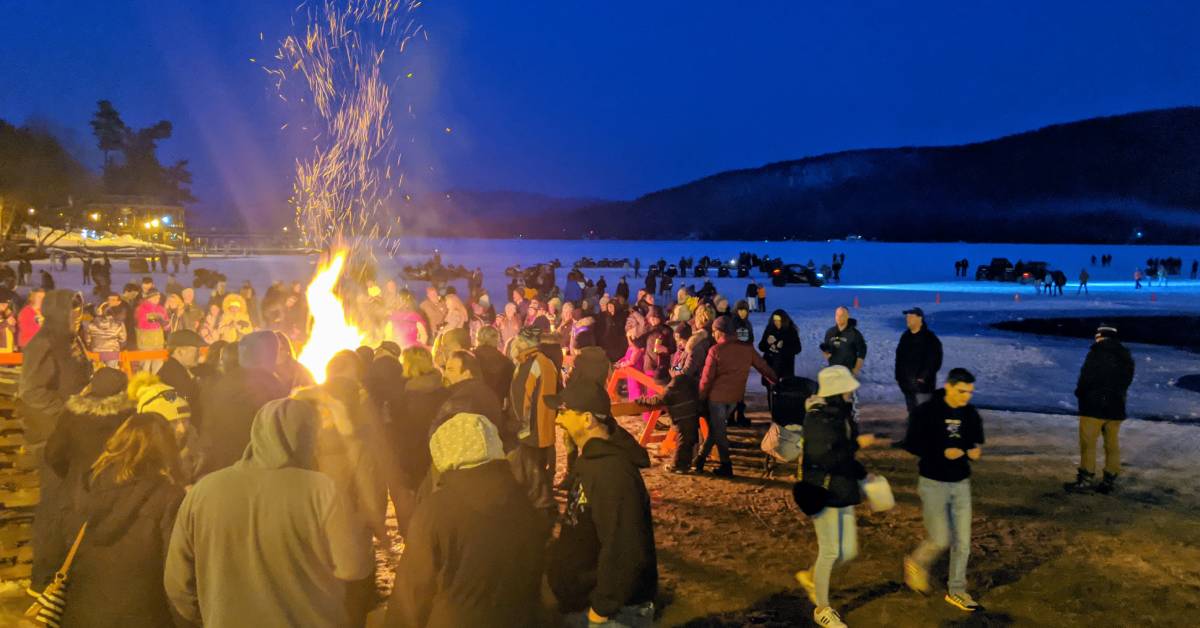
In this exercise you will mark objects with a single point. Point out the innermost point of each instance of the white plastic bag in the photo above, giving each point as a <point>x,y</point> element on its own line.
<point>784,444</point>
<point>878,492</point>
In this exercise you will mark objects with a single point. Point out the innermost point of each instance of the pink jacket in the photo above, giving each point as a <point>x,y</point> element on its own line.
<point>407,328</point>
<point>151,316</point>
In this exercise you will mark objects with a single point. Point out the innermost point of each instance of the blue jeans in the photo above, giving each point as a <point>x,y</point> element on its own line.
<point>946,507</point>
<point>837,543</point>
<point>640,616</point>
<point>719,414</point>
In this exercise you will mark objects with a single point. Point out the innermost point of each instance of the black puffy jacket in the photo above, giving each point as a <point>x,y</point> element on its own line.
<point>830,444</point>
<point>1104,380</point>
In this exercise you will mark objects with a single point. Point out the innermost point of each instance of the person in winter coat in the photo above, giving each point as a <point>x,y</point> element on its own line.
<point>408,326</point>
<point>682,399</point>
<point>434,309</point>
<point>29,319</point>
<point>658,343</point>
<point>535,377</point>
<point>844,345</point>
<point>475,548</point>
<point>497,367</point>
<point>918,360</point>
<point>55,368</point>
<point>106,336</point>
<point>210,328</point>
<point>408,432</point>
<point>177,371</point>
<point>614,341</point>
<point>469,393</point>
<point>1102,388</point>
<point>151,395</point>
<point>723,384</point>
<point>456,312</point>
<point>88,420</point>
<point>235,321</point>
<point>829,483</point>
<point>622,289</point>
<point>742,327</point>
<point>8,328</point>
<point>151,322</point>
<point>780,344</point>
<point>231,402</point>
<point>135,488</point>
<point>268,538</point>
<point>351,451</point>
<point>509,324</point>
<point>603,566</point>
<point>946,433</point>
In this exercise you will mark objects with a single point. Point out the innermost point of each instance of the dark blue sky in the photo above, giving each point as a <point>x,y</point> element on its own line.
<point>606,99</point>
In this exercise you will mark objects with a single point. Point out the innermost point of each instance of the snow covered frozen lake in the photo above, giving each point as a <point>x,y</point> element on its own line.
<point>1016,371</point>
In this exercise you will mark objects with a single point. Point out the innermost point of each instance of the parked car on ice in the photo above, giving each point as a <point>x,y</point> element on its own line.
<point>796,274</point>
<point>999,270</point>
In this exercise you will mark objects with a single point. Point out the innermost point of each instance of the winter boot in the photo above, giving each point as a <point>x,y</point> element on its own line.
<point>1108,484</point>
<point>724,470</point>
<point>1084,483</point>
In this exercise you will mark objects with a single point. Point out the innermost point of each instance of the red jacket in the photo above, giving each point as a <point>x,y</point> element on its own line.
<point>29,321</point>
<point>727,368</point>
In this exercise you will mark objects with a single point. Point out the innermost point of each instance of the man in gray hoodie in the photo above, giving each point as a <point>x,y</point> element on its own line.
<point>267,541</point>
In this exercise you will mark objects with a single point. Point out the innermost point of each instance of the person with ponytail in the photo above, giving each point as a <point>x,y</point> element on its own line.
<point>134,491</point>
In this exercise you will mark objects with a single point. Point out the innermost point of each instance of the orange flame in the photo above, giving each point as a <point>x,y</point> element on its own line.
<point>331,332</point>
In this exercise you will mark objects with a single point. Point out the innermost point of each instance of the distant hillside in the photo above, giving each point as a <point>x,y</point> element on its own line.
<point>473,213</point>
<point>1097,180</point>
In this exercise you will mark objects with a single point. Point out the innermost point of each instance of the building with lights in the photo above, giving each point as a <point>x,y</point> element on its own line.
<point>137,216</point>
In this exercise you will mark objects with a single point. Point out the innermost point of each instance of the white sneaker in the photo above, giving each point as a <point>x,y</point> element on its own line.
<point>963,601</point>
<point>805,578</point>
<point>829,618</point>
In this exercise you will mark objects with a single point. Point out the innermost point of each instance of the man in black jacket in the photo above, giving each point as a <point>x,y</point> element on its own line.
<point>844,344</point>
<point>1103,384</point>
<point>55,368</point>
<point>176,370</point>
<point>946,433</point>
<point>471,394</point>
<point>603,565</point>
<point>918,360</point>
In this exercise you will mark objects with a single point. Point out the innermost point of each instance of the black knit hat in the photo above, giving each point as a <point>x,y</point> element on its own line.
<point>107,382</point>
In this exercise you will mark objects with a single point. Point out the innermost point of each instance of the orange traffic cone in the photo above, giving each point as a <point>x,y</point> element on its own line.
<point>855,302</point>
<point>937,298</point>
<point>1016,297</point>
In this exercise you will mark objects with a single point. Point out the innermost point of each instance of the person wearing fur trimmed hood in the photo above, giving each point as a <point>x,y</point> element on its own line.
<point>89,419</point>
<point>235,319</point>
<point>474,550</point>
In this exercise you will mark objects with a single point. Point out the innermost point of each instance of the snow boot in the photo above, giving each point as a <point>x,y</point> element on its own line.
<point>1108,484</point>
<point>1084,483</point>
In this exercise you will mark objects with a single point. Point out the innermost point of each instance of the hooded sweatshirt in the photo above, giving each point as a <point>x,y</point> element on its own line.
<point>845,346</point>
<point>55,367</point>
<point>604,556</point>
<point>266,542</point>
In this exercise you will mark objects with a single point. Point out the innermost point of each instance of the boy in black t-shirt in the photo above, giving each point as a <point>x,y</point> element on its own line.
<point>946,433</point>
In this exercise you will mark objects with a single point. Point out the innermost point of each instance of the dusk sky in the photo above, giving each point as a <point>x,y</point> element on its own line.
<point>604,99</point>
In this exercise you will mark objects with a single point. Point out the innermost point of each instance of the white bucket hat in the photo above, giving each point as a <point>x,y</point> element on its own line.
<point>836,380</point>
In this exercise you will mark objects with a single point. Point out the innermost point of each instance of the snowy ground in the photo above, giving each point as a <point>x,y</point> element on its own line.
<point>1016,371</point>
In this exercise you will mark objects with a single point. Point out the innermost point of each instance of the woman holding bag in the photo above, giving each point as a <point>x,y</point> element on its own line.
<point>828,488</point>
<point>135,489</point>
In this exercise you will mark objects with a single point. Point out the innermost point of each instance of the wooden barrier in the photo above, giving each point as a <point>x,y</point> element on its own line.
<point>650,414</point>
<point>126,358</point>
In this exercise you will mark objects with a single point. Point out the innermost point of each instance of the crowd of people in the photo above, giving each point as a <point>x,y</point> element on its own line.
<point>223,485</point>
